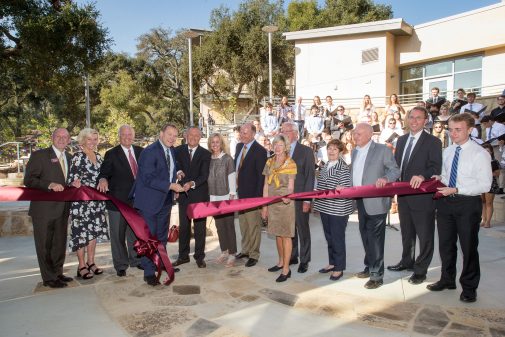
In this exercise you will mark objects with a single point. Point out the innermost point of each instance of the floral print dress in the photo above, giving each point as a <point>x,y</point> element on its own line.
<point>88,217</point>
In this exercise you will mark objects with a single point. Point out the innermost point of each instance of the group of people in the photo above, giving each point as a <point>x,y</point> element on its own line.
<point>154,179</point>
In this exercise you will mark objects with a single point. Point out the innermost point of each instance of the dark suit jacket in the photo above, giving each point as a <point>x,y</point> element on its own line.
<point>197,170</point>
<point>305,168</point>
<point>42,169</point>
<point>425,159</point>
<point>116,169</point>
<point>151,190</point>
<point>250,176</point>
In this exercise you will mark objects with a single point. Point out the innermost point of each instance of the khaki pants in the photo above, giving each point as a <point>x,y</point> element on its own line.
<point>250,228</point>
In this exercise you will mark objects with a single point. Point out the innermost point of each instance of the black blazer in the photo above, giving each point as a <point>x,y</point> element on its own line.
<point>42,169</point>
<point>197,170</point>
<point>116,169</point>
<point>425,159</point>
<point>250,176</point>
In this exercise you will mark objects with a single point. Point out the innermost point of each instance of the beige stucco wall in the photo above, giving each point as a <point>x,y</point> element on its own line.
<point>460,34</point>
<point>493,70</point>
<point>332,66</point>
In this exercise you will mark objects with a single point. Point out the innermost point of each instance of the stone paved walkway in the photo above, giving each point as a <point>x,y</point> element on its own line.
<point>239,301</point>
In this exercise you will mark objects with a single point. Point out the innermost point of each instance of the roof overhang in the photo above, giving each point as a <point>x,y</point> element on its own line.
<point>393,26</point>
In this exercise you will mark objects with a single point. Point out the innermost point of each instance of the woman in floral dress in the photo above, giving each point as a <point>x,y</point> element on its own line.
<point>88,217</point>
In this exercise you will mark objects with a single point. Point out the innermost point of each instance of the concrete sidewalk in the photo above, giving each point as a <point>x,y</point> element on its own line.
<point>239,301</point>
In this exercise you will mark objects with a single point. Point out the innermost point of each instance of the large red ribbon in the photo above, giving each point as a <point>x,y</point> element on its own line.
<point>146,245</point>
<point>205,209</point>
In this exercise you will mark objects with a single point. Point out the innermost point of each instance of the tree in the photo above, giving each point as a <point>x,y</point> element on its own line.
<point>302,15</point>
<point>165,53</point>
<point>234,57</point>
<point>45,48</point>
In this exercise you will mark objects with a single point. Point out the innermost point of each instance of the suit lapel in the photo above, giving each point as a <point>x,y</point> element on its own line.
<point>418,146</point>
<point>54,160</point>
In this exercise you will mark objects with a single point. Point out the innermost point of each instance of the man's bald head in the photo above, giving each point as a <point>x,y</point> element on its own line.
<point>362,134</point>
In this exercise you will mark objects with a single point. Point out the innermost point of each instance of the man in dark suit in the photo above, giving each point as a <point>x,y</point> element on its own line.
<point>250,161</point>
<point>194,161</point>
<point>304,182</point>
<point>152,190</point>
<point>47,170</point>
<point>434,103</point>
<point>372,163</point>
<point>117,175</point>
<point>419,156</point>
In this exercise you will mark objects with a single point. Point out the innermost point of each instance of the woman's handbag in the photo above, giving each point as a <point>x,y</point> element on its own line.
<point>173,233</point>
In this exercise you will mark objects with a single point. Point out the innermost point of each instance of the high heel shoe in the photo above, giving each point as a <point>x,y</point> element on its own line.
<point>96,271</point>
<point>85,276</point>
<point>283,277</point>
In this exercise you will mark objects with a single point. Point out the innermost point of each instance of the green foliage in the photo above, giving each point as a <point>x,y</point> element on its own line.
<point>45,48</point>
<point>302,15</point>
<point>233,58</point>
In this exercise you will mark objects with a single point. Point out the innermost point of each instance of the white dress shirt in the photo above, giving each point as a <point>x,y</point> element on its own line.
<point>358,165</point>
<point>495,131</point>
<point>474,169</point>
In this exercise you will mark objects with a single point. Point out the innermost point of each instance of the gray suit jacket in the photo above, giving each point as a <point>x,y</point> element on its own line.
<point>379,163</point>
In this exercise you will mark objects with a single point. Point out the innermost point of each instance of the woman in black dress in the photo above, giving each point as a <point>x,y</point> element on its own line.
<point>488,198</point>
<point>88,217</point>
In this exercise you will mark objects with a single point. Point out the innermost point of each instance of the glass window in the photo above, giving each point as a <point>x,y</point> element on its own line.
<point>472,79</point>
<point>411,73</point>
<point>468,63</point>
<point>440,68</point>
<point>414,88</point>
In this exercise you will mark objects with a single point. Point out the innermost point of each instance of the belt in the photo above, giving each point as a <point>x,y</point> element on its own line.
<point>462,196</point>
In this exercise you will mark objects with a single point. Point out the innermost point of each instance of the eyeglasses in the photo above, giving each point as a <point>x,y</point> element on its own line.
<point>340,109</point>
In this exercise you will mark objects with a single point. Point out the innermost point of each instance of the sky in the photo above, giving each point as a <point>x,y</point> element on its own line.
<point>126,20</point>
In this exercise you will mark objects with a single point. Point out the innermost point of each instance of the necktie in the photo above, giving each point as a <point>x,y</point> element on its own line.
<point>133,163</point>
<point>244,150</point>
<point>190,155</point>
<point>62,164</point>
<point>167,157</point>
<point>471,109</point>
<point>299,114</point>
<point>489,133</point>
<point>454,168</point>
<point>406,157</point>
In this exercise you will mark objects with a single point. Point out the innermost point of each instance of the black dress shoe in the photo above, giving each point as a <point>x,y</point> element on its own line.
<point>241,256</point>
<point>363,274</point>
<point>417,279</point>
<point>178,262</point>
<point>151,280</point>
<point>121,273</point>
<point>274,268</point>
<point>303,267</point>
<point>373,284</point>
<point>399,267</point>
<point>283,277</point>
<point>65,278</point>
<point>293,261</point>
<point>251,262</point>
<point>439,286</point>
<point>336,278</point>
<point>467,298</point>
<point>201,263</point>
<point>176,270</point>
<point>54,284</point>
<point>139,266</point>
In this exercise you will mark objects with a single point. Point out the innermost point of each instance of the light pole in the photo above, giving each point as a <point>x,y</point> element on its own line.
<point>270,30</point>
<point>86,95</point>
<point>190,34</point>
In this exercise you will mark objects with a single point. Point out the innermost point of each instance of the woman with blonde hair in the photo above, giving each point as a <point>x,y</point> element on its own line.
<point>88,217</point>
<point>280,172</point>
<point>367,108</point>
<point>222,186</point>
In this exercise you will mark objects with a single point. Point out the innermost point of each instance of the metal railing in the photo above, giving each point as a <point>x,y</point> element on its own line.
<point>18,153</point>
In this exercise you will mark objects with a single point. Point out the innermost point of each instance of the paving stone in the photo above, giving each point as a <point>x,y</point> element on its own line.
<point>178,300</point>
<point>431,321</point>
<point>186,289</point>
<point>497,331</point>
<point>201,327</point>
<point>462,330</point>
<point>249,298</point>
<point>280,296</point>
<point>152,323</point>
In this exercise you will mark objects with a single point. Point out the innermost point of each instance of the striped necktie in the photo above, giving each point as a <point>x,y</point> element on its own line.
<point>454,168</point>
